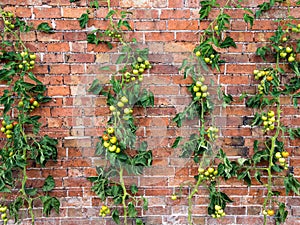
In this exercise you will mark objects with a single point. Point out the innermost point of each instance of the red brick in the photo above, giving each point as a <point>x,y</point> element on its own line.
<point>183,25</point>
<point>147,25</point>
<point>58,47</point>
<point>47,12</point>
<point>73,12</point>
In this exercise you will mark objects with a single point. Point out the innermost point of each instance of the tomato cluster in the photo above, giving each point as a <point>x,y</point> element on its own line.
<point>265,75</point>
<point>114,34</point>
<point>138,69</point>
<point>121,107</point>
<point>209,59</point>
<point>208,174</point>
<point>7,129</point>
<point>281,156</point>
<point>268,120</point>
<point>212,132</point>
<point>287,53</point>
<point>200,89</point>
<point>8,20</point>
<point>27,61</point>
<point>3,210</point>
<point>104,211</point>
<point>219,212</point>
<point>110,141</point>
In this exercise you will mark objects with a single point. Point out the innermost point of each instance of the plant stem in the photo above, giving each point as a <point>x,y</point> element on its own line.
<point>199,181</point>
<point>124,194</point>
<point>271,164</point>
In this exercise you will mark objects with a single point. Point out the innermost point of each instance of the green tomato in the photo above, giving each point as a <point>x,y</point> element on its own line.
<point>9,127</point>
<point>3,209</point>
<point>278,155</point>
<point>291,59</point>
<point>196,89</point>
<point>288,49</point>
<point>204,88</point>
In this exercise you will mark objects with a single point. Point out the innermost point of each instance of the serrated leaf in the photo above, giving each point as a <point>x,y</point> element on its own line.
<point>83,20</point>
<point>44,27</point>
<point>176,142</point>
<point>121,58</point>
<point>249,19</point>
<point>145,203</point>
<point>133,189</point>
<point>96,87</point>
<point>50,203</point>
<point>131,210</point>
<point>49,184</point>
<point>31,191</point>
<point>115,216</point>
<point>110,14</point>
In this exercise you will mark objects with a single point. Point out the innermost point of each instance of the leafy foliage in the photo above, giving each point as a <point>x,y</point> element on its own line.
<point>44,27</point>
<point>23,95</point>
<point>118,142</point>
<point>270,157</point>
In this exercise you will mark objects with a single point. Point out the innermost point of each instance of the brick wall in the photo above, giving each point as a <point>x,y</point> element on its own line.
<point>68,65</point>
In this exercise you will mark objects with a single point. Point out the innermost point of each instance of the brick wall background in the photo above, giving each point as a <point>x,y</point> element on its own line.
<point>68,65</point>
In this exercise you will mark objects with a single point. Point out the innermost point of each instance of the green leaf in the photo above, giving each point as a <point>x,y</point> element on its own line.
<point>176,142</point>
<point>49,184</point>
<point>110,14</point>
<point>31,191</point>
<point>138,221</point>
<point>44,27</point>
<point>145,203</point>
<point>50,203</point>
<point>133,189</point>
<point>121,58</point>
<point>96,87</point>
<point>291,184</point>
<point>281,214</point>
<point>257,176</point>
<point>105,68</point>
<point>262,51</point>
<point>83,20</point>
<point>249,19</point>
<point>131,210</point>
<point>228,42</point>
<point>206,7</point>
<point>245,175</point>
<point>94,4</point>
<point>115,216</point>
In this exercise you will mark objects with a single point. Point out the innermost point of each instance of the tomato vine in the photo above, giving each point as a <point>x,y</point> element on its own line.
<point>118,143</point>
<point>270,159</point>
<point>23,146</point>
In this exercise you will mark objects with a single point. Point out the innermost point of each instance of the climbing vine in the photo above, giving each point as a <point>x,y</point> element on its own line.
<point>23,145</point>
<point>270,159</point>
<point>118,143</point>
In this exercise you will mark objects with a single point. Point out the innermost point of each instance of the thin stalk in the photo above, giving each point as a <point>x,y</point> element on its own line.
<point>199,181</point>
<point>125,194</point>
<point>269,169</point>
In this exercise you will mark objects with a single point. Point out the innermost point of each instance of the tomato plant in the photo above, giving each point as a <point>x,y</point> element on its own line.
<point>114,32</point>
<point>119,139</point>
<point>269,114</point>
<point>23,145</point>
<point>118,143</point>
<point>270,159</point>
